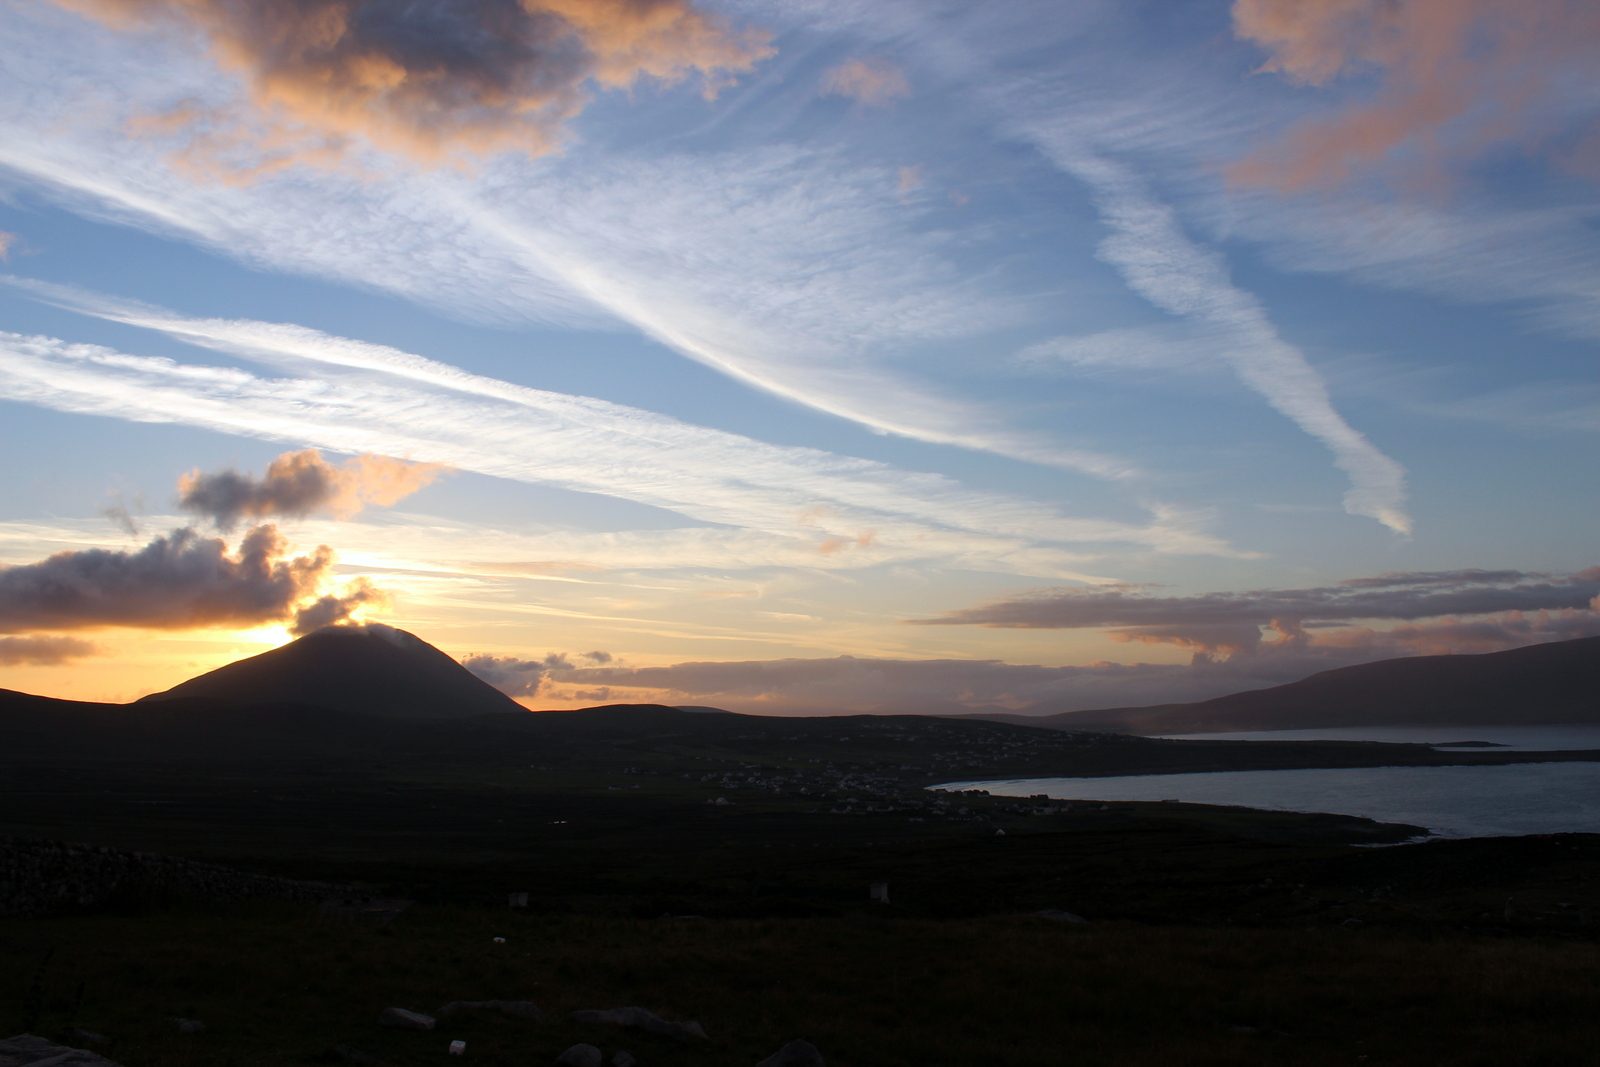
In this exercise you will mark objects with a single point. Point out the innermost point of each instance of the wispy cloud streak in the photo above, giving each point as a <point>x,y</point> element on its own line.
<point>1149,248</point>
<point>532,435</point>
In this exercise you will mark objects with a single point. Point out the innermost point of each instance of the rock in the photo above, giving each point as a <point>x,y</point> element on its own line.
<point>517,1009</point>
<point>190,1026</point>
<point>648,1021</point>
<point>624,1058</point>
<point>796,1053</point>
<point>355,1055</point>
<point>580,1056</point>
<point>405,1020</point>
<point>1057,915</point>
<point>26,1049</point>
<point>91,1037</point>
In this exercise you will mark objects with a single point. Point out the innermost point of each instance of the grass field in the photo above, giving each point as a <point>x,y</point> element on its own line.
<point>274,984</point>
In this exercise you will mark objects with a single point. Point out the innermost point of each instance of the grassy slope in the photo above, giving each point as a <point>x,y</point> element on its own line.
<point>275,986</point>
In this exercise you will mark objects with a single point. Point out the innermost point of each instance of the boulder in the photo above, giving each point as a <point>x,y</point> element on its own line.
<point>27,1049</point>
<point>401,1019</point>
<point>647,1021</point>
<point>796,1053</point>
<point>190,1026</point>
<point>517,1009</point>
<point>580,1056</point>
<point>624,1058</point>
<point>90,1037</point>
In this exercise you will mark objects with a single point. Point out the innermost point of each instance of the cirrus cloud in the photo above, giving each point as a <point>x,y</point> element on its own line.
<point>868,81</point>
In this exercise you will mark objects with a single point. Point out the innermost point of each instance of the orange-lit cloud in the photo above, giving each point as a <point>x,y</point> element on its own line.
<point>1454,77</point>
<point>44,650</point>
<point>864,539</point>
<point>6,241</point>
<point>177,582</point>
<point>433,82</point>
<point>299,483</point>
<point>874,82</point>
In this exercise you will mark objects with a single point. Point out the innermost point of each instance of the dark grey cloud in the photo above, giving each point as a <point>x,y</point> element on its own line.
<point>125,514</point>
<point>175,582</point>
<point>335,608</point>
<point>517,677</point>
<point>1403,597</point>
<point>513,676</point>
<point>43,650</point>
<point>299,483</point>
<point>434,79</point>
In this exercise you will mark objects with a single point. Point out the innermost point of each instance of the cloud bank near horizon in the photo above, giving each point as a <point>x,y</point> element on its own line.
<point>1446,612</point>
<point>1232,622</point>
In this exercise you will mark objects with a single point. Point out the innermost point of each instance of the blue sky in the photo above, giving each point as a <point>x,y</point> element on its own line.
<point>752,334</point>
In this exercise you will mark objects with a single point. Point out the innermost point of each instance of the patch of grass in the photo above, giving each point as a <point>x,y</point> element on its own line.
<point>276,985</point>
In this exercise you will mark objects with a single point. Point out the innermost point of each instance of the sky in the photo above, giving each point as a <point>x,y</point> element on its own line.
<point>803,356</point>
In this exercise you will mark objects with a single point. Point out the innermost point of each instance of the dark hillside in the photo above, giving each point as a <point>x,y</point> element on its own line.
<point>372,670</point>
<point>1550,684</point>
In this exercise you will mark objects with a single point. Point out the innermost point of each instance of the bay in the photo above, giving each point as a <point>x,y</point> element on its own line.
<point>1522,798</point>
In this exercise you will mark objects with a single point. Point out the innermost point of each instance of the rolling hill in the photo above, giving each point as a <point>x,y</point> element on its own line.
<point>1540,685</point>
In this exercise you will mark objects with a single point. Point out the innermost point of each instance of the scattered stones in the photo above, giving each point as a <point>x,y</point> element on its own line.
<point>190,1026</point>
<point>517,1009</point>
<point>1059,916</point>
<point>26,1049</point>
<point>648,1021</point>
<point>796,1053</point>
<point>355,1055</point>
<point>623,1058</point>
<point>580,1056</point>
<point>402,1019</point>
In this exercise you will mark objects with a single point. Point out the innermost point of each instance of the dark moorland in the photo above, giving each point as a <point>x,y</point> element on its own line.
<point>716,867</point>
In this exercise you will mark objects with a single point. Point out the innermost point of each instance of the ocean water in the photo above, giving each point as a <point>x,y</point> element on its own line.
<point>1522,798</point>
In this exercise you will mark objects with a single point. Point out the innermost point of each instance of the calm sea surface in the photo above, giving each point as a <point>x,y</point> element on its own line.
<point>1526,798</point>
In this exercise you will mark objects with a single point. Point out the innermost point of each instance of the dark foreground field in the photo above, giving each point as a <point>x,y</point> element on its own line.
<point>1219,936</point>
<point>276,985</point>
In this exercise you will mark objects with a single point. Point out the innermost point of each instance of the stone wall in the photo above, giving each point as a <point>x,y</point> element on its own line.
<point>40,878</point>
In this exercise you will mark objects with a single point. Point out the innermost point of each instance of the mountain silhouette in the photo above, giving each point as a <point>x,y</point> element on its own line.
<point>1539,685</point>
<point>371,670</point>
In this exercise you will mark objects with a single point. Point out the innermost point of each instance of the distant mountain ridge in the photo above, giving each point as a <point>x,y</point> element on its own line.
<point>369,670</point>
<point>1551,684</point>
